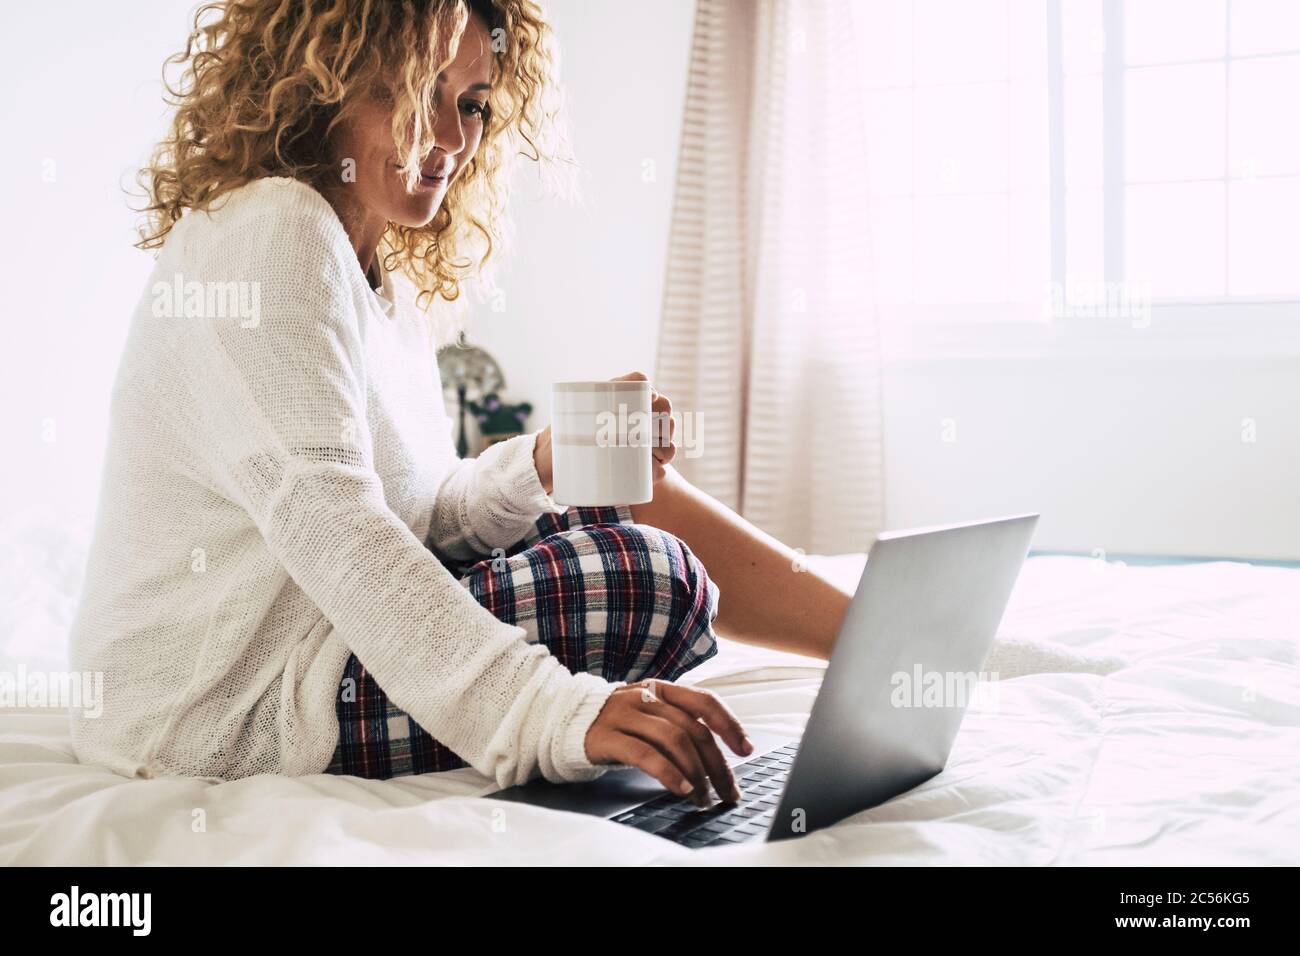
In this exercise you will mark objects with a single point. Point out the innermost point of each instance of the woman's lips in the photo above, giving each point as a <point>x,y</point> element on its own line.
<point>428,181</point>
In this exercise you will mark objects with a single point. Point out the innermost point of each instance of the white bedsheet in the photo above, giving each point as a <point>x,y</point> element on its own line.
<point>1187,755</point>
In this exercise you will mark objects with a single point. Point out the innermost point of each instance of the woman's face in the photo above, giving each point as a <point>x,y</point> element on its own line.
<point>366,138</point>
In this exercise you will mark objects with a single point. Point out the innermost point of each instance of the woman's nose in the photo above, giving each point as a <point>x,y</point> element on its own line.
<point>448,133</point>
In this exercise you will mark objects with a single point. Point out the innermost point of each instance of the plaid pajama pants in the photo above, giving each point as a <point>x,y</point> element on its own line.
<point>605,595</point>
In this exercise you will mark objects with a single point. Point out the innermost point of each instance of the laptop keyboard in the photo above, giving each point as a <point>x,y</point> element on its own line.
<point>760,780</point>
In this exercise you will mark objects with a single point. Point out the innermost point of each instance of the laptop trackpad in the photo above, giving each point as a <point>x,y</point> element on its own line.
<point>612,793</point>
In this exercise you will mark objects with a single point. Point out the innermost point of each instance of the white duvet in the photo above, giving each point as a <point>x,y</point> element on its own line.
<point>1187,754</point>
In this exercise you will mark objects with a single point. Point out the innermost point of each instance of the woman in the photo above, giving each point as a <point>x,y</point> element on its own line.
<point>291,572</point>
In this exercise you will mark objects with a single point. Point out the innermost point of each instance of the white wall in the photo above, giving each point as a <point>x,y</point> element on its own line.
<point>81,101</point>
<point>584,286</point>
<point>1119,454</point>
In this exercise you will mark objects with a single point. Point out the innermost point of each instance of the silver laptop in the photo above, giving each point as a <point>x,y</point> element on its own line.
<point>903,669</point>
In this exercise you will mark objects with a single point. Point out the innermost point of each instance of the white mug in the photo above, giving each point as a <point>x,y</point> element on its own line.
<point>602,436</point>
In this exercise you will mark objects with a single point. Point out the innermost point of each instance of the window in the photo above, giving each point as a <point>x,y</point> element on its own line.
<point>1021,147</point>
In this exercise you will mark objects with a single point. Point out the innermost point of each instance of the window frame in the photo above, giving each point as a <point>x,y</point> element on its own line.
<point>1193,325</point>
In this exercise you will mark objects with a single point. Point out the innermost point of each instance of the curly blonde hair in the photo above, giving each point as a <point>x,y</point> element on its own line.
<point>263,83</point>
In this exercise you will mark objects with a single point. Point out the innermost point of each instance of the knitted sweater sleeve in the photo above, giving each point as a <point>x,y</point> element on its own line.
<point>490,501</point>
<point>284,435</point>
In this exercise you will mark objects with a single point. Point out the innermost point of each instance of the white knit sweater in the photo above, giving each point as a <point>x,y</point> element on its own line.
<point>274,481</point>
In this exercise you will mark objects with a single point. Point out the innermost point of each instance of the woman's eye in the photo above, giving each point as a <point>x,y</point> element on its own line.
<point>474,108</point>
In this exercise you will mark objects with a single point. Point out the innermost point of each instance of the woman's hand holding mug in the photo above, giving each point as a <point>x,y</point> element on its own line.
<point>593,469</point>
<point>661,409</point>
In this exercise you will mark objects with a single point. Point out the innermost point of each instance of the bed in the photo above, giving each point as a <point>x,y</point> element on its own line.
<point>1186,752</point>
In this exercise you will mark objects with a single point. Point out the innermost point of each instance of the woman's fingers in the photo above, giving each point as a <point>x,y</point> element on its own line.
<point>641,727</point>
<point>661,410</point>
<point>676,744</point>
<point>630,729</point>
<point>715,714</point>
<point>715,764</point>
<point>659,699</point>
<point>665,427</point>
<point>635,752</point>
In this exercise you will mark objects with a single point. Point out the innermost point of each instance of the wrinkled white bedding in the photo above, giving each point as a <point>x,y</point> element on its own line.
<point>1188,754</point>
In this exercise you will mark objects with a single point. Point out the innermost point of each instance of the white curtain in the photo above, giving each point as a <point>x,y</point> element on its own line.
<point>768,328</point>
